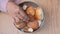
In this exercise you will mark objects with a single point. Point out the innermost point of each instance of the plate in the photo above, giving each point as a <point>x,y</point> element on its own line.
<point>40,22</point>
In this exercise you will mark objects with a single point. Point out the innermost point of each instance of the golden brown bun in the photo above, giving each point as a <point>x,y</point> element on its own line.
<point>33,24</point>
<point>21,25</point>
<point>30,11</point>
<point>38,13</point>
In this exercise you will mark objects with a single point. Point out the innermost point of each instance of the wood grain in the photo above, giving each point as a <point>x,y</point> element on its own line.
<point>52,21</point>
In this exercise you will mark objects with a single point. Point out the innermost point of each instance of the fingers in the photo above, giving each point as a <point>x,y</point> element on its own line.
<point>23,18</point>
<point>12,8</point>
<point>15,10</point>
<point>16,19</point>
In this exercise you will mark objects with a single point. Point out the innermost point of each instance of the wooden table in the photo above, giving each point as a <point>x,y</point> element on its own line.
<point>52,21</point>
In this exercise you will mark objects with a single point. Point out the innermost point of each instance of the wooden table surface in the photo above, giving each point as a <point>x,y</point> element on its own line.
<point>52,21</point>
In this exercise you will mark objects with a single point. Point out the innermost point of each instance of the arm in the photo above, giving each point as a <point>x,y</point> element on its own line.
<point>12,9</point>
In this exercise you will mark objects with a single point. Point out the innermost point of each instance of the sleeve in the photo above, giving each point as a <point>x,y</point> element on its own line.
<point>3,4</point>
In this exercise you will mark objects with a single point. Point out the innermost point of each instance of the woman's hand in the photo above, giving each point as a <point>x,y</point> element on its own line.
<point>14,11</point>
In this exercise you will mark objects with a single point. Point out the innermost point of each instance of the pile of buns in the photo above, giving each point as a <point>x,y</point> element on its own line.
<point>35,14</point>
